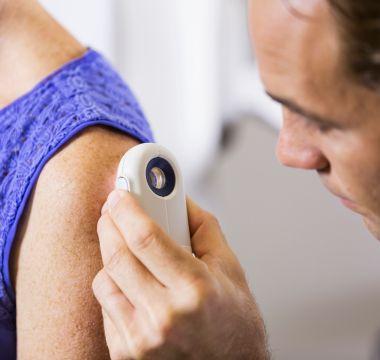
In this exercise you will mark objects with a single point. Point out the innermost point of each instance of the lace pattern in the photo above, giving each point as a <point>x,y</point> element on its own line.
<point>84,92</point>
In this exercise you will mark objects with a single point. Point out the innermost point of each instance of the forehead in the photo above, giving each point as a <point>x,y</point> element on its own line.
<point>298,50</point>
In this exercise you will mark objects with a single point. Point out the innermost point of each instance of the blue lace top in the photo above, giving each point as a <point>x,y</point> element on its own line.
<point>84,92</point>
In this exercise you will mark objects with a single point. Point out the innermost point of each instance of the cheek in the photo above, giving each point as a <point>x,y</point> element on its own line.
<point>355,167</point>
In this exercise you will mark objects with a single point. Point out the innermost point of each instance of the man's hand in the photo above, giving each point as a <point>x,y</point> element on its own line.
<point>161,302</point>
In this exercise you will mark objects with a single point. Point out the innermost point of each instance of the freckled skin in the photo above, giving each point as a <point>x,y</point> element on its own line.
<point>32,45</point>
<point>301,59</point>
<point>56,253</point>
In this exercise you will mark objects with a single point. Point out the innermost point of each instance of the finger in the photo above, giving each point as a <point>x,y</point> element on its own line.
<point>130,275</point>
<point>195,215</point>
<point>206,234</point>
<point>134,329</point>
<point>114,303</point>
<point>133,346</point>
<point>209,243</point>
<point>116,342</point>
<point>170,263</point>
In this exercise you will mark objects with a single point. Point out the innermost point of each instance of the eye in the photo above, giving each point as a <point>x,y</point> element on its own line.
<point>321,126</point>
<point>324,128</point>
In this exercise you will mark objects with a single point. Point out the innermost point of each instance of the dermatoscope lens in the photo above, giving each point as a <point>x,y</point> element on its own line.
<point>157,178</point>
<point>160,176</point>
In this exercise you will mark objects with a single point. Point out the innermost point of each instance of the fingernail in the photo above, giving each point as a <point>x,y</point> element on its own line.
<point>104,208</point>
<point>113,199</point>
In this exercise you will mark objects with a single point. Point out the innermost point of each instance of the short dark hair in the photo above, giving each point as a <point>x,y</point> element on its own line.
<point>359,25</point>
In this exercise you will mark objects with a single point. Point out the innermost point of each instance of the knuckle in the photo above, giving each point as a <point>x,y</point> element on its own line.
<point>139,346</point>
<point>212,220</point>
<point>116,258</point>
<point>148,343</point>
<point>165,324</point>
<point>156,342</point>
<point>145,235</point>
<point>117,353</point>
<point>97,283</point>
<point>145,347</point>
<point>201,292</point>
<point>101,225</point>
<point>102,292</point>
<point>118,211</point>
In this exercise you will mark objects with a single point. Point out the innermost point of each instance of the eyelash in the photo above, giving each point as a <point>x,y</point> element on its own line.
<point>323,128</point>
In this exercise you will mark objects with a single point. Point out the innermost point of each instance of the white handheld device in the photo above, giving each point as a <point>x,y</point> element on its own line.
<point>151,173</point>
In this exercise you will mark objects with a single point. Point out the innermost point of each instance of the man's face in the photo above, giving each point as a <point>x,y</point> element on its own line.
<point>331,124</point>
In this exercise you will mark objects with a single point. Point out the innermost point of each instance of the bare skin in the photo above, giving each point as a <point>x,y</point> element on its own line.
<point>56,255</point>
<point>32,45</point>
<point>160,302</point>
<point>300,57</point>
<point>56,252</point>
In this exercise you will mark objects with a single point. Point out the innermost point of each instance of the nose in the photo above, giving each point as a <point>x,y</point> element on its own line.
<point>297,149</point>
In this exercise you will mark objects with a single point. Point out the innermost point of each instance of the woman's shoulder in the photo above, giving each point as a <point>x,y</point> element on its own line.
<point>95,151</point>
<point>57,247</point>
<point>77,179</point>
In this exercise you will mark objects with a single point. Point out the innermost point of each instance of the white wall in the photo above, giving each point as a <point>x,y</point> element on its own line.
<point>171,59</point>
<point>90,20</point>
<point>202,73</point>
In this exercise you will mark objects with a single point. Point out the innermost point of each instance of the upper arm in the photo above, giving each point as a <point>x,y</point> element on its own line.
<point>56,253</point>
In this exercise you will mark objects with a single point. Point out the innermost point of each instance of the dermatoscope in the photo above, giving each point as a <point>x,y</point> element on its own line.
<point>151,173</point>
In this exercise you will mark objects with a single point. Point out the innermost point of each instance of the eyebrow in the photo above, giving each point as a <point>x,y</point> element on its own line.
<point>320,120</point>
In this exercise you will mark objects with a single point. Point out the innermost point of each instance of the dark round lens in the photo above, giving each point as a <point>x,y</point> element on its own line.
<point>160,176</point>
<point>157,178</point>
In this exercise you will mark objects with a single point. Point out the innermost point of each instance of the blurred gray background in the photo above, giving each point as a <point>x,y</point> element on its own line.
<point>311,264</point>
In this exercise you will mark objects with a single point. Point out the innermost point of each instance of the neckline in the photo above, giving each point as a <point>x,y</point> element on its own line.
<point>89,55</point>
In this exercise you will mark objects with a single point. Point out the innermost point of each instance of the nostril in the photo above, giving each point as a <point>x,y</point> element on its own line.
<point>324,167</point>
<point>324,171</point>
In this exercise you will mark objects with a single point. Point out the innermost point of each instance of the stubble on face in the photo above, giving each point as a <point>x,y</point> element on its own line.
<point>299,51</point>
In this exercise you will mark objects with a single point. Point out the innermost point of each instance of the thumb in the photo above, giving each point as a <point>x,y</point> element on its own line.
<point>206,235</point>
<point>210,245</point>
